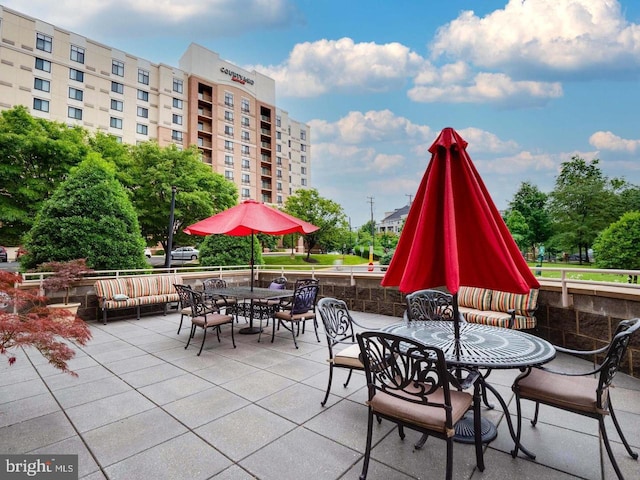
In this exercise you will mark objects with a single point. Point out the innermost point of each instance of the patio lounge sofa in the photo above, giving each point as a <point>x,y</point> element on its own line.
<point>135,291</point>
<point>500,309</point>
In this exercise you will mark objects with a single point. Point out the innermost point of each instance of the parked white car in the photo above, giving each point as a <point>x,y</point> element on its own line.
<point>185,253</point>
<point>147,252</point>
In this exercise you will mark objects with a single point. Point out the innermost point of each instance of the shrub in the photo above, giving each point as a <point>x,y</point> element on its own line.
<point>229,250</point>
<point>618,245</point>
<point>88,216</point>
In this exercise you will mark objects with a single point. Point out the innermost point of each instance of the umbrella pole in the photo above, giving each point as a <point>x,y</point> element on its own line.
<point>456,324</point>
<point>252,260</point>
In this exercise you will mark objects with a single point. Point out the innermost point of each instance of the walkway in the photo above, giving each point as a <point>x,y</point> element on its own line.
<point>144,407</point>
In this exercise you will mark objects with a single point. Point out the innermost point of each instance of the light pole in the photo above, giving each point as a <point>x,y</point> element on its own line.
<point>167,254</point>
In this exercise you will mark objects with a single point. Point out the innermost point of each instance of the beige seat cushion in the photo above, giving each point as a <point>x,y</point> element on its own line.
<point>432,418</point>
<point>298,317</point>
<point>574,393</point>
<point>349,357</point>
<point>211,319</point>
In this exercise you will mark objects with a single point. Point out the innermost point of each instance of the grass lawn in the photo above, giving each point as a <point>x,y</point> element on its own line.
<point>583,274</point>
<point>285,259</point>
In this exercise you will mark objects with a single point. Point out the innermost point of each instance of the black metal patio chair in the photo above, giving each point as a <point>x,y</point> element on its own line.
<point>206,315</point>
<point>579,393</point>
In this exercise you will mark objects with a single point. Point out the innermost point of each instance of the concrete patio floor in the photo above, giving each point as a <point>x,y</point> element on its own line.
<point>144,407</point>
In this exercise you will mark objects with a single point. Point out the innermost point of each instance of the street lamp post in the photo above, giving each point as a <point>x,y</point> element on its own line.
<point>167,255</point>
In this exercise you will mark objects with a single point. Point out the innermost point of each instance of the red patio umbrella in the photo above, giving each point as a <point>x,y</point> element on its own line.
<point>248,218</point>
<point>454,234</point>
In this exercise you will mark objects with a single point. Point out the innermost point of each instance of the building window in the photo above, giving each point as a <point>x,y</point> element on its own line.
<point>177,119</point>
<point>42,105</point>
<point>245,150</point>
<point>278,135</point>
<point>246,180</point>
<point>228,145</point>
<point>245,121</point>
<point>40,84</point>
<point>303,170</point>
<point>303,134</point>
<point>303,159</point>
<point>143,76</point>
<point>143,112</point>
<point>278,121</point>
<point>228,99</point>
<point>279,186</point>
<point>200,142</point>
<point>278,173</point>
<point>228,116</point>
<point>303,147</point>
<point>278,160</point>
<point>117,68</point>
<point>245,136</point>
<point>228,160</point>
<point>73,112</point>
<point>200,126</point>
<point>142,129</point>
<point>278,147</point>
<point>75,94</point>
<point>228,174</point>
<point>245,105</point>
<point>117,87</point>
<point>44,42</point>
<point>115,122</point>
<point>177,85</point>
<point>228,130</point>
<point>279,197</point>
<point>143,95</point>
<point>76,75</point>
<point>44,65</point>
<point>246,164</point>
<point>116,105</point>
<point>177,103</point>
<point>303,182</point>
<point>176,135</point>
<point>245,193</point>
<point>77,54</point>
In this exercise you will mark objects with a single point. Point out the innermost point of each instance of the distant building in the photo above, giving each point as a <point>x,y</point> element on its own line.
<point>228,112</point>
<point>393,221</point>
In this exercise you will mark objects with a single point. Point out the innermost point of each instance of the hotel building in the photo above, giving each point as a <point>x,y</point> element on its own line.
<point>228,112</point>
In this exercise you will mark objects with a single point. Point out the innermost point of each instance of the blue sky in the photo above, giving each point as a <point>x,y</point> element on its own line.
<point>528,83</point>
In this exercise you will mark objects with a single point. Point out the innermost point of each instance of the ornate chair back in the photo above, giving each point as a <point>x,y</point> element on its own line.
<point>429,305</point>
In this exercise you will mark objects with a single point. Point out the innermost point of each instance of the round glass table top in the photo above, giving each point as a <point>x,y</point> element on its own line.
<point>479,345</point>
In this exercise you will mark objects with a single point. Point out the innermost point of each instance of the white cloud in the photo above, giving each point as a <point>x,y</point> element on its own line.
<point>157,18</point>
<point>383,162</point>
<point>487,88</point>
<point>540,36</point>
<point>314,68</point>
<point>374,125</point>
<point>609,141</point>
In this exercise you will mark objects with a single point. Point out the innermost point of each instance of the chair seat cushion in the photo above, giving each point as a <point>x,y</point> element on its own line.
<point>296,317</point>
<point>211,319</point>
<point>349,357</point>
<point>186,311</point>
<point>432,418</point>
<point>573,393</point>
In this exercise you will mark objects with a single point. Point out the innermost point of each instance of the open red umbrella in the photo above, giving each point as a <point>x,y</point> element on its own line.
<point>248,218</point>
<point>454,234</point>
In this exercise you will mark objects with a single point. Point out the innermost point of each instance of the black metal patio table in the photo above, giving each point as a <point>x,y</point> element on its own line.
<point>479,347</point>
<point>251,294</point>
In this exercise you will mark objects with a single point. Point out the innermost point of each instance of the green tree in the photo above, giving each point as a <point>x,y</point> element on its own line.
<point>532,204</point>
<point>199,191</point>
<point>517,225</point>
<point>308,205</point>
<point>35,156</point>
<point>227,250</point>
<point>581,203</point>
<point>89,216</point>
<point>618,245</point>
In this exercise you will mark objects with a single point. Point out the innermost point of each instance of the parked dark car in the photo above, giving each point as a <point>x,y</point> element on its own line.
<point>4,257</point>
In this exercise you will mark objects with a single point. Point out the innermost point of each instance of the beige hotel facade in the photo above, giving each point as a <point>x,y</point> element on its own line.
<point>228,112</point>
